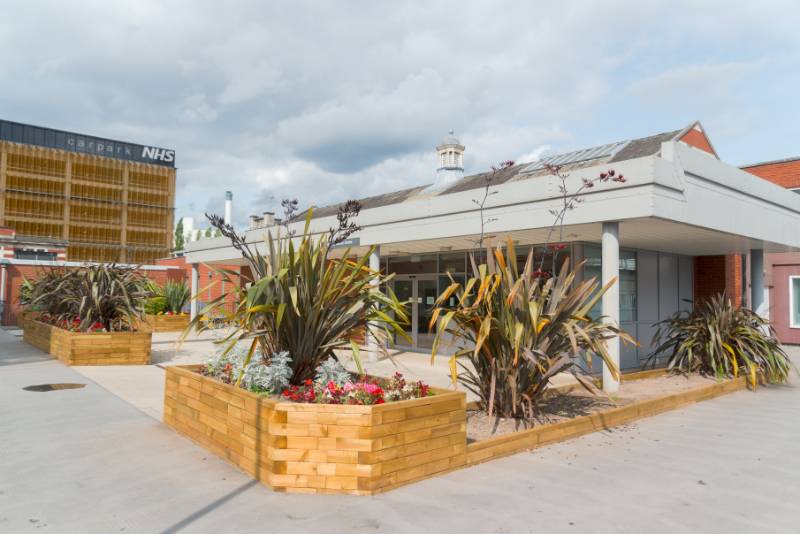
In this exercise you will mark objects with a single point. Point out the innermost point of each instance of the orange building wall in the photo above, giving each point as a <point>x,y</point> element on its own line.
<point>698,139</point>
<point>783,173</point>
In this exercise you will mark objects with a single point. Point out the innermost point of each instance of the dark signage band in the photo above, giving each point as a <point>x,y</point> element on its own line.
<point>84,144</point>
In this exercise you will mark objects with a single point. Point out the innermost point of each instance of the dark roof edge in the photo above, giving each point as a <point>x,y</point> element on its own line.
<point>771,162</point>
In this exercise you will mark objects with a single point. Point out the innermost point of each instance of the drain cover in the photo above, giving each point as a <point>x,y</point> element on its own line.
<point>53,387</point>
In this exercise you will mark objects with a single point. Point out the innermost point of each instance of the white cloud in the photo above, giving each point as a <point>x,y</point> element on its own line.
<point>325,101</point>
<point>197,109</point>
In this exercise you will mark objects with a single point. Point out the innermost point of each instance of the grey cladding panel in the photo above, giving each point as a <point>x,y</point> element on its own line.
<point>647,285</point>
<point>667,285</point>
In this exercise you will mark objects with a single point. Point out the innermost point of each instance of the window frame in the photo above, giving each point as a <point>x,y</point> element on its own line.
<point>792,323</point>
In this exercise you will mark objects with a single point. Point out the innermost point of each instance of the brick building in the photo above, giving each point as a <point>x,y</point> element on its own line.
<point>31,248</point>
<point>783,269</point>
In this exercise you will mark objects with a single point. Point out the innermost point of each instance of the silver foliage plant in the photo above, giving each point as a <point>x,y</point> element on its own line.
<point>273,377</point>
<point>331,370</point>
<point>258,376</point>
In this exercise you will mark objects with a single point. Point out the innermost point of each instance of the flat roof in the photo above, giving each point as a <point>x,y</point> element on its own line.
<point>29,134</point>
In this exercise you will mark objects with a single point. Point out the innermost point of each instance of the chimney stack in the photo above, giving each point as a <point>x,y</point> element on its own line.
<point>268,218</point>
<point>228,206</point>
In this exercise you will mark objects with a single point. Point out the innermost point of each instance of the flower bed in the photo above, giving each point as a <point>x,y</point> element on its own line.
<point>167,322</point>
<point>315,447</point>
<point>89,348</point>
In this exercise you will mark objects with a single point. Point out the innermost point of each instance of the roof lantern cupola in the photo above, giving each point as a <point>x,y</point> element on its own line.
<point>451,163</point>
<point>451,153</point>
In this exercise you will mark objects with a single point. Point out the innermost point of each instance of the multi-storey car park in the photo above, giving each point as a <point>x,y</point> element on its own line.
<point>108,200</point>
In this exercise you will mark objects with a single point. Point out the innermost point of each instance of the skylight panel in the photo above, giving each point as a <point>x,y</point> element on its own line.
<point>576,156</point>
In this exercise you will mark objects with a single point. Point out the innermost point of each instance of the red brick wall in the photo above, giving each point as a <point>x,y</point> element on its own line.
<point>212,282</point>
<point>718,274</point>
<point>15,274</point>
<point>699,140</point>
<point>784,173</point>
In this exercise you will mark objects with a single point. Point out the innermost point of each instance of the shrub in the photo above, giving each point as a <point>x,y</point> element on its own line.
<point>94,297</point>
<point>176,295</point>
<point>721,340</point>
<point>303,302</point>
<point>518,330</point>
<point>25,292</point>
<point>259,374</point>
<point>331,370</point>
<point>168,299</point>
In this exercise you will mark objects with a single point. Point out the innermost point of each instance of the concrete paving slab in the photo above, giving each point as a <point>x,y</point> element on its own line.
<point>84,460</point>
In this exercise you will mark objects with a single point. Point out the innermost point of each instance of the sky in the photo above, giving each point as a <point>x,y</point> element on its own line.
<point>326,101</point>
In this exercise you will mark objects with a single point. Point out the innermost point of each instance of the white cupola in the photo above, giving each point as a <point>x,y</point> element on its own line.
<point>451,163</point>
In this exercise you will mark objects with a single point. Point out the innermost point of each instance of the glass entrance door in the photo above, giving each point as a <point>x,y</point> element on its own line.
<point>426,296</point>
<point>404,290</point>
<point>419,293</point>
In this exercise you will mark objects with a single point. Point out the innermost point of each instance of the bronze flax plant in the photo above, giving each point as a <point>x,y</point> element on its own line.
<point>517,331</point>
<point>721,340</point>
<point>109,294</point>
<point>300,301</point>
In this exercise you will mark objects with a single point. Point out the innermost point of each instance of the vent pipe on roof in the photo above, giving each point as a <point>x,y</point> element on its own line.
<point>228,206</point>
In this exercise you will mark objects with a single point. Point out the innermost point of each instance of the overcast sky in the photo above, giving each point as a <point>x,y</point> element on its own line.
<point>325,101</point>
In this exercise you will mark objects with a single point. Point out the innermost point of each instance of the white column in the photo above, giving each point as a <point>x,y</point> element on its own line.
<point>758,297</point>
<point>372,342</point>
<point>195,289</point>
<point>610,301</point>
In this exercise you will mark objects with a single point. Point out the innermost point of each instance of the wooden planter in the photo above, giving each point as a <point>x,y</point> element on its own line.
<point>363,450</point>
<point>499,446</point>
<point>167,323</point>
<point>97,348</point>
<point>319,448</point>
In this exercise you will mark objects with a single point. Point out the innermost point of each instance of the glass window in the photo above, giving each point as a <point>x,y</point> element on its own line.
<point>794,301</point>
<point>452,262</point>
<point>627,280</point>
<point>548,259</point>
<point>415,264</point>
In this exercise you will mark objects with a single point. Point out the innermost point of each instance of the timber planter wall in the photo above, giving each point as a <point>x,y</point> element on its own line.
<point>167,323</point>
<point>319,448</point>
<point>95,348</point>
<point>324,448</point>
<point>497,447</point>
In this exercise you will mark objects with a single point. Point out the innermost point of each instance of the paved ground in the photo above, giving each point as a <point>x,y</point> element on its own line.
<point>84,460</point>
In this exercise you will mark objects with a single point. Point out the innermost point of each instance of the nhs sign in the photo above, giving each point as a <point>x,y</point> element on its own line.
<point>158,154</point>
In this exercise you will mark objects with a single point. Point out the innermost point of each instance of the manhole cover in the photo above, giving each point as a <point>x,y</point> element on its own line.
<point>53,387</point>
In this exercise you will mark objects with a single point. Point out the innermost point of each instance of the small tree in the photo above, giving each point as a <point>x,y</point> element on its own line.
<point>179,240</point>
<point>488,180</point>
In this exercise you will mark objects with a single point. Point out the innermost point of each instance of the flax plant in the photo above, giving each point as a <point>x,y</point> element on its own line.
<point>721,340</point>
<point>517,330</point>
<point>106,294</point>
<point>299,300</point>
